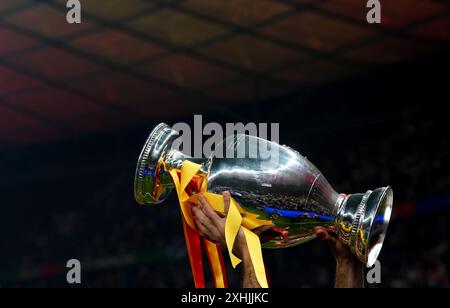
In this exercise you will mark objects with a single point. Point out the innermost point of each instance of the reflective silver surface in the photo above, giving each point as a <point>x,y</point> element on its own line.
<point>276,183</point>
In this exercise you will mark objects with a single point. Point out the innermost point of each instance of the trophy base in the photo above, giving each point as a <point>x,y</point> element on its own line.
<point>152,184</point>
<point>363,222</point>
<point>374,224</point>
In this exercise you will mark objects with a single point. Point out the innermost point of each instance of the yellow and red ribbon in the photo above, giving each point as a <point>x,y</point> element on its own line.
<point>236,218</point>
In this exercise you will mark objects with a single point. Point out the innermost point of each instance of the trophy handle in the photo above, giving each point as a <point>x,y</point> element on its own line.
<point>152,183</point>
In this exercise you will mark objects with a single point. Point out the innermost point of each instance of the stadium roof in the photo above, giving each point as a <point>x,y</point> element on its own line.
<point>132,61</point>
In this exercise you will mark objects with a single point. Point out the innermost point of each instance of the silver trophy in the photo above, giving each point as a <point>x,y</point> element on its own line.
<point>275,183</point>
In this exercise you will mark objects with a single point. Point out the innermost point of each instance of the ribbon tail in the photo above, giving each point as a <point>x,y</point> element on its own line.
<point>232,226</point>
<point>194,249</point>
<point>215,259</point>
<point>233,223</point>
<point>254,248</point>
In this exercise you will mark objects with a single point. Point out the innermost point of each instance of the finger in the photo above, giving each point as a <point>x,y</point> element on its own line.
<point>260,230</point>
<point>198,213</point>
<point>206,232</point>
<point>226,201</point>
<point>226,204</point>
<point>207,210</point>
<point>205,221</point>
<point>201,229</point>
<point>199,220</point>
<point>324,235</point>
<point>221,215</point>
<point>193,205</point>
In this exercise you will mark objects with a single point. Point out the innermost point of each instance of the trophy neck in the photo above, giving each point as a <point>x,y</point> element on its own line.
<point>348,217</point>
<point>174,159</point>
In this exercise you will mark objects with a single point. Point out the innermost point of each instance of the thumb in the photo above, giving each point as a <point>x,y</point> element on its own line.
<point>226,201</point>
<point>323,235</point>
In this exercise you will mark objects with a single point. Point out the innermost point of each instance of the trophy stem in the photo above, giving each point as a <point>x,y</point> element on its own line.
<point>174,160</point>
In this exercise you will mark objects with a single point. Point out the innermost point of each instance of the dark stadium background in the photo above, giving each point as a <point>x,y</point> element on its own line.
<point>368,104</point>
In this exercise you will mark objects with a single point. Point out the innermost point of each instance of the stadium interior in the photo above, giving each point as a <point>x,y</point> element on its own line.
<point>367,104</point>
